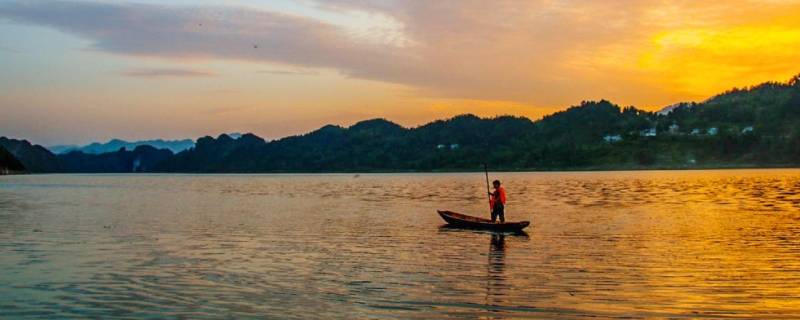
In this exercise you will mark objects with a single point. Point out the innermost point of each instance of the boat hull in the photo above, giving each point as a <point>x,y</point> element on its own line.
<point>464,221</point>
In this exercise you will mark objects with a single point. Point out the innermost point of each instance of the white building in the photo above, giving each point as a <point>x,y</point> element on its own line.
<point>747,129</point>
<point>454,146</point>
<point>648,132</point>
<point>674,129</point>
<point>695,132</point>
<point>612,138</point>
<point>712,131</point>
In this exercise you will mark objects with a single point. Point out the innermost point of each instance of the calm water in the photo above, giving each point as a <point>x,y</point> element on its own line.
<point>609,244</point>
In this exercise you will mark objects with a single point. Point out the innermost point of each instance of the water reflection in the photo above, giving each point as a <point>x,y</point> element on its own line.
<point>495,272</point>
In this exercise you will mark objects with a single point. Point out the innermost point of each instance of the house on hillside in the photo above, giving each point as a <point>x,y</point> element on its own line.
<point>454,146</point>
<point>612,138</point>
<point>648,132</point>
<point>695,132</point>
<point>674,129</point>
<point>712,131</point>
<point>440,146</point>
<point>748,129</point>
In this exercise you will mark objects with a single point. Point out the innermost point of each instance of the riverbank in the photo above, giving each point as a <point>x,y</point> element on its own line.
<point>479,168</point>
<point>476,168</point>
<point>6,172</point>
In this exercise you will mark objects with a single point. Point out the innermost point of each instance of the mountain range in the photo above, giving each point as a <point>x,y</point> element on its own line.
<point>114,145</point>
<point>755,126</point>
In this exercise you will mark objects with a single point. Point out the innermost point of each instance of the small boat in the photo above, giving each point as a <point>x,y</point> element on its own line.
<point>464,221</point>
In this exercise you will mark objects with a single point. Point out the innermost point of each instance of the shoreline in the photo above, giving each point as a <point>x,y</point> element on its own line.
<point>519,170</point>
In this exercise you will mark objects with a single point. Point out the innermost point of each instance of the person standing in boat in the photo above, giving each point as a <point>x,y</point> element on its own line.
<point>497,202</point>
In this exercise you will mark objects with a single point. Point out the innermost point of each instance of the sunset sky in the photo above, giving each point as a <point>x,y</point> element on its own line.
<point>83,71</point>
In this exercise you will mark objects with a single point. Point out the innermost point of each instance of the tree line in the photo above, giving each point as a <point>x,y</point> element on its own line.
<point>755,126</point>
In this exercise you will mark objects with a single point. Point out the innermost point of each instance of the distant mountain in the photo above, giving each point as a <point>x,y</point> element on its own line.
<point>8,163</point>
<point>34,158</point>
<point>141,159</point>
<point>115,144</point>
<point>58,149</point>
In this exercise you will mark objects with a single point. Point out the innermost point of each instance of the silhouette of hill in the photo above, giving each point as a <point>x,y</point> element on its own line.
<point>213,155</point>
<point>8,163</point>
<point>114,145</point>
<point>140,159</point>
<point>34,158</point>
<point>64,148</point>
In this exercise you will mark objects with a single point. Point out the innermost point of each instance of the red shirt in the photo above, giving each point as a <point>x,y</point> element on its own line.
<point>499,194</point>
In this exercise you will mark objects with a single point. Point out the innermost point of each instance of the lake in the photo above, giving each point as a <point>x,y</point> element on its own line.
<point>692,244</point>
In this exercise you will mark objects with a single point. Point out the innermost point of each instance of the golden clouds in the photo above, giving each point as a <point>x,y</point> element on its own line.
<point>410,61</point>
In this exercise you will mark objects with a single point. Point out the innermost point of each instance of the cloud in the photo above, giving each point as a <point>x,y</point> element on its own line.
<point>540,52</point>
<point>166,73</point>
<point>193,32</point>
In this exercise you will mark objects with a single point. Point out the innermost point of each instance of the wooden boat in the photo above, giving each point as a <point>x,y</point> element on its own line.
<point>464,221</point>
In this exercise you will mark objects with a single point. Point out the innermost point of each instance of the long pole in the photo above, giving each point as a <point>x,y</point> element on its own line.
<point>488,193</point>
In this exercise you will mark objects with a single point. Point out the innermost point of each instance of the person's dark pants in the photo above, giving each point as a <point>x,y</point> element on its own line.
<point>498,211</point>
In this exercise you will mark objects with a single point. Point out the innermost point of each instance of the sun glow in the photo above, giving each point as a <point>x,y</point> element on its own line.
<point>284,67</point>
<point>703,60</point>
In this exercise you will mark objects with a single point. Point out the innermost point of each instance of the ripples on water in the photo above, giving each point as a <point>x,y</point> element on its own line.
<point>608,244</point>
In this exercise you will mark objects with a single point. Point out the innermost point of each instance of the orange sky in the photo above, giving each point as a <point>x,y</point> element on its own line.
<point>81,71</point>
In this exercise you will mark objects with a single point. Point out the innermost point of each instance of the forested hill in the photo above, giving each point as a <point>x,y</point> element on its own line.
<point>34,158</point>
<point>115,145</point>
<point>756,126</point>
<point>9,163</point>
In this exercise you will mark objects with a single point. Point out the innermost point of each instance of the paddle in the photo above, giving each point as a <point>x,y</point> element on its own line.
<point>488,192</point>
